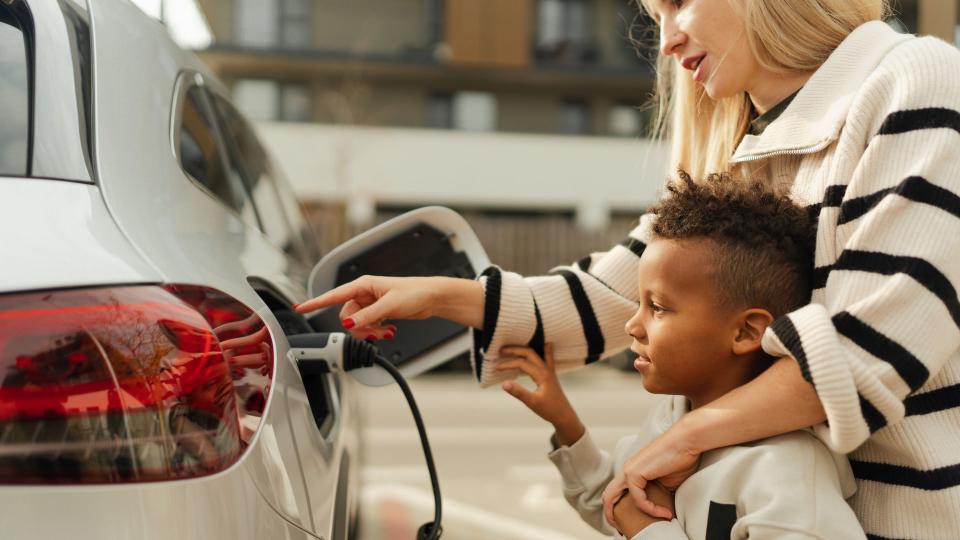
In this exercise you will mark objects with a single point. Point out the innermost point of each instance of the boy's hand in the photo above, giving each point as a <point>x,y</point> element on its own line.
<point>630,520</point>
<point>548,400</point>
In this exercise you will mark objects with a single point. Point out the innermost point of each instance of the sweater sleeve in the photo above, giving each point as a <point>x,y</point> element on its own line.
<point>580,308</point>
<point>585,470</point>
<point>888,317</point>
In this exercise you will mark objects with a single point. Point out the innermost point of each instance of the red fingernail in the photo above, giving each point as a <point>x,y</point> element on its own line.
<point>348,323</point>
<point>371,337</point>
<point>389,335</point>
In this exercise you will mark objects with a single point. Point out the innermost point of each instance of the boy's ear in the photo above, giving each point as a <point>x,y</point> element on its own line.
<point>752,324</point>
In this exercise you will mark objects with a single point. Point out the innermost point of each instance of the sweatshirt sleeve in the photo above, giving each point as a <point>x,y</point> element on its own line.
<point>586,470</point>
<point>888,317</point>
<point>580,308</point>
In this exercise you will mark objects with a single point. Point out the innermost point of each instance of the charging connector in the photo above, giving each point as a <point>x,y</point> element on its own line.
<point>321,353</point>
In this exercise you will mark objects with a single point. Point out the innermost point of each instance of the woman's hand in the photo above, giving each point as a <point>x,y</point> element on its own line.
<point>369,300</point>
<point>669,459</point>
<point>630,520</point>
<point>548,400</point>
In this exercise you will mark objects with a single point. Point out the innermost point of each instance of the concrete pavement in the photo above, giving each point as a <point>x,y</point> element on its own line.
<point>490,453</point>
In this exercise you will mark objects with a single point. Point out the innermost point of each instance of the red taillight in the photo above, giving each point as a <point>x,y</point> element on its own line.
<point>127,384</point>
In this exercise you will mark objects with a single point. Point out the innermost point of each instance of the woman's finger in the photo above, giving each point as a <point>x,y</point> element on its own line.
<point>338,295</point>
<point>611,494</point>
<point>639,495</point>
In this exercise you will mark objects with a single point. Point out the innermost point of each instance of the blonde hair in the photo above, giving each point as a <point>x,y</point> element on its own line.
<point>784,36</point>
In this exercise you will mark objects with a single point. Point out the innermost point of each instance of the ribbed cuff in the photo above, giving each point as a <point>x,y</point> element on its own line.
<point>808,335</point>
<point>508,319</point>
<point>582,464</point>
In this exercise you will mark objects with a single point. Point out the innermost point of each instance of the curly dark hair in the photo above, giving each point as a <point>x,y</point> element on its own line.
<point>764,241</point>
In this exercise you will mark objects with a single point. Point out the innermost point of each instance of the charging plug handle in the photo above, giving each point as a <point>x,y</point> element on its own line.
<point>325,352</point>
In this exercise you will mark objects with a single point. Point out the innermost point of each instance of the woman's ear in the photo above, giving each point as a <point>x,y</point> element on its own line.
<point>752,324</point>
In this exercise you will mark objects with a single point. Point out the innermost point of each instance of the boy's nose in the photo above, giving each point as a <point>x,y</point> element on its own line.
<point>634,327</point>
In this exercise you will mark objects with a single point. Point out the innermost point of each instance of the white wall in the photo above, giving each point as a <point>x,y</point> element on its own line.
<point>370,166</point>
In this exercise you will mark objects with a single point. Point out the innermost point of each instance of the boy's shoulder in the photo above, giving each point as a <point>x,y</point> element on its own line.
<point>793,459</point>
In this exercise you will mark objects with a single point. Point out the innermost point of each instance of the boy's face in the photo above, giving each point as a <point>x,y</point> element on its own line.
<point>682,334</point>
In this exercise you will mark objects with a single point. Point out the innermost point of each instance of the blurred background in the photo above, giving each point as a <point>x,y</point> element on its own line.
<point>530,118</point>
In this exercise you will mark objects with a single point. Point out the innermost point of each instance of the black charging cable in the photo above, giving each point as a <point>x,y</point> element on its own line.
<point>361,354</point>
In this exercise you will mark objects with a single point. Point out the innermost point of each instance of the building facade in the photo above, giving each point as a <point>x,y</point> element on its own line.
<point>527,112</point>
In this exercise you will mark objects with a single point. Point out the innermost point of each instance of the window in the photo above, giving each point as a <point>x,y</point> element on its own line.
<point>295,103</point>
<point>273,23</point>
<point>574,117</point>
<point>266,100</point>
<point>255,23</point>
<point>295,24</point>
<point>259,178</point>
<point>15,96</point>
<point>200,153</point>
<point>475,111</point>
<point>440,111</point>
<point>624,121</point>
<point>563,32</point>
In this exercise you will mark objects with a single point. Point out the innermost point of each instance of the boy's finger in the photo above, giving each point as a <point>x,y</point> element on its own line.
<point>522,365</point>
<point>518,392</point>
<point>548,356</point>
<point>523,352</point>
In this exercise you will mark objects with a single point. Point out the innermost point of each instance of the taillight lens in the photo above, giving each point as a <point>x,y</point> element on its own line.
<point>128,384</point>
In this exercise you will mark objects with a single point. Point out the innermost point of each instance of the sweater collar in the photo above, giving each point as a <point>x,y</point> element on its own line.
<point>814,118</point>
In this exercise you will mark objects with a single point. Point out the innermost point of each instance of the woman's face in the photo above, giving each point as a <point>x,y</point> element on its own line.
<point>707,37</point>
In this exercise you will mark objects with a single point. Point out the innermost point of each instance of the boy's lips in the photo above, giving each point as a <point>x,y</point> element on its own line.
<point>642,362</point>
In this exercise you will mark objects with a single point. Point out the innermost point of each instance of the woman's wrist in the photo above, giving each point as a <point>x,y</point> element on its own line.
<point>459,300</point>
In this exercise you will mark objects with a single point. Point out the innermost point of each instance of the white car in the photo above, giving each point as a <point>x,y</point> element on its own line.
<point>149,257</point>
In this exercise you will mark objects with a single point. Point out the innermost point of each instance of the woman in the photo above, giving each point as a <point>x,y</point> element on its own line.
<point>862,125</point>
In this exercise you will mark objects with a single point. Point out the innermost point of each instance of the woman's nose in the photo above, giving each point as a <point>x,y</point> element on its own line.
<point>671,37</point>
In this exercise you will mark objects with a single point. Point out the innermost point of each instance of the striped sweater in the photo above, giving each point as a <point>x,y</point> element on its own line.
<point>871,145</point>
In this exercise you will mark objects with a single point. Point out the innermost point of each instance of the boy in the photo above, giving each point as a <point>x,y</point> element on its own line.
<point>725,262</point>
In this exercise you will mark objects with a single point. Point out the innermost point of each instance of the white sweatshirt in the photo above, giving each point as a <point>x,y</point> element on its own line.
<point>790,487</point>
<point>871,145</point>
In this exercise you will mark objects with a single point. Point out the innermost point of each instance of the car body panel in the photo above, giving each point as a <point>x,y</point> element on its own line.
<point>226,507</point>
<point>181,230</point>
<point>60,234</point>
<point>138,218</point>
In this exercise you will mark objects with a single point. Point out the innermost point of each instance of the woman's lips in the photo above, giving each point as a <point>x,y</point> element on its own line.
<point>695,64</point>
<point>701,70</point>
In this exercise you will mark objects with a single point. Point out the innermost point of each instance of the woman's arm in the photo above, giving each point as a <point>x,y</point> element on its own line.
<point>580,308</point>
<point>369,300</point>
<point>778,401</point>
<point>888,317</point>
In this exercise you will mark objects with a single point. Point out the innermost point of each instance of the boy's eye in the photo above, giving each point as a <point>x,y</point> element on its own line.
<point>654,307</point>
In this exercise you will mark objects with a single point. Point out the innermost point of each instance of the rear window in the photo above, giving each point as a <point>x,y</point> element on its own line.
<point>14,96</point>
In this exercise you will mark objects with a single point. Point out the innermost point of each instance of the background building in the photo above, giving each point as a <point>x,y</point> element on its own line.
<point>526,115</point>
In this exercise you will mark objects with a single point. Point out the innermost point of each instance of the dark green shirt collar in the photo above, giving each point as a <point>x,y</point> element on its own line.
<point>760,123</point>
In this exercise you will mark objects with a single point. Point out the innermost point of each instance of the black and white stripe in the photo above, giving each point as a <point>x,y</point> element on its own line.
<point>898,475</point>
<point>588,318</point>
